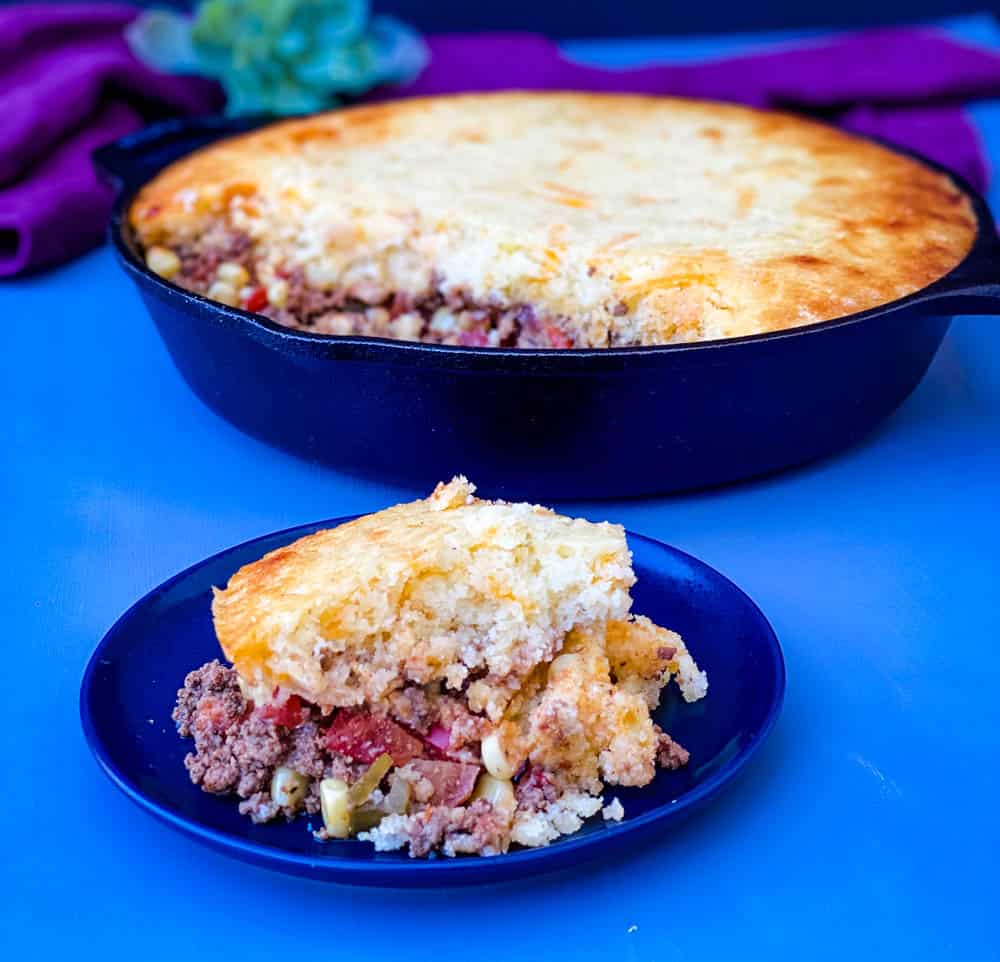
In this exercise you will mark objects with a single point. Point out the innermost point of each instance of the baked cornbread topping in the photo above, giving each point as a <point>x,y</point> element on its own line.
<point>451,675</point>
<point>551,220</point>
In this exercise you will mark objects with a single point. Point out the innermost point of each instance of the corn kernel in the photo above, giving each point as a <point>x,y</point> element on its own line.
<point>335,807</point>
<point>378,317</point>
<point>288,787</point>
<point>321,276</point>
<point>224,293</point>
<point>499,792</point>
<point>495,758</point>
<point>361,275</point>
<point>443,321</point>
<point>407,327</point>
<point>277,293</point>
<point>163,261</point>
<point>233,274</point>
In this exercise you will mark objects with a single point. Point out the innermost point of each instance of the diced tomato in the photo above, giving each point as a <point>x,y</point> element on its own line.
<point>289,713</point>
<point>453,782</point>
<point>256,300</point>
<point>364,737</point>
<point>556,337</point>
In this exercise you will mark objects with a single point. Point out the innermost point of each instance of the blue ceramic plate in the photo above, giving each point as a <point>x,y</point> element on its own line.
<point>132,678</point>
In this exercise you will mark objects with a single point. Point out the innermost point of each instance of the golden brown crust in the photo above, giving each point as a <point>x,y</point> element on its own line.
<point>435,590</point>
<point>645,220</point>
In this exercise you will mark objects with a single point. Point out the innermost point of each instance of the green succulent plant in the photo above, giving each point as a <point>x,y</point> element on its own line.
<point>281,56</point>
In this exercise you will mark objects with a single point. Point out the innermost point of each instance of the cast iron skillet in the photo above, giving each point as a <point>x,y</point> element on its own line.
<point>544,424</point>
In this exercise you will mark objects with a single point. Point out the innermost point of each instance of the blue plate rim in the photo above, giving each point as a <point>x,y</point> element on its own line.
<point>438,870</point>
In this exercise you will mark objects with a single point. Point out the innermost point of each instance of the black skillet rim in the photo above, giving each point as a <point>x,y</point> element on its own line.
<point>985,248</point>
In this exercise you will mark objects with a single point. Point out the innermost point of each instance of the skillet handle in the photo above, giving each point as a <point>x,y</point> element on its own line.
<point>974,286</point>
<point>135,158</point>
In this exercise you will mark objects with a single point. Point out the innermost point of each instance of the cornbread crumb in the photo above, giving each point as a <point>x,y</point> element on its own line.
<point>693,682</point>
<point>562,817</point>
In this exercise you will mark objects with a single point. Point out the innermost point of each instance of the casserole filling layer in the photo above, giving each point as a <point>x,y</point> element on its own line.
<point>620,220</point>
<point>225,265</point>
<point>421,770</point>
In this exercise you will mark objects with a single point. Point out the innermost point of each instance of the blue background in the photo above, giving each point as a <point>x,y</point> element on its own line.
<point>866,828</point>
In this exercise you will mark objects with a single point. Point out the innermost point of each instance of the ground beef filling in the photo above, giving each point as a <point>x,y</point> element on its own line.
<point>236,749</point>
<point>222,264</point>
<point>433,739</point>
<point>669,754</point>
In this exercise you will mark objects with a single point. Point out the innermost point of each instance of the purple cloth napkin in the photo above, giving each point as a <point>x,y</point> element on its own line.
<point>71,84</point>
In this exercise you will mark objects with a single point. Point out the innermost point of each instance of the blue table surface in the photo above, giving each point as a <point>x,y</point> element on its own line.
<point>867,827</point>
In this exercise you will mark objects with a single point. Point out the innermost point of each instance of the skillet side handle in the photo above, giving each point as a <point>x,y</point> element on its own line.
<point>974,286</point>
<point>135,158</point>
